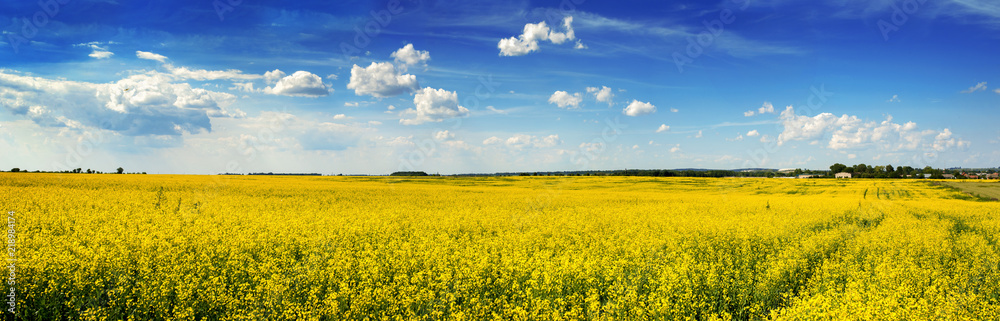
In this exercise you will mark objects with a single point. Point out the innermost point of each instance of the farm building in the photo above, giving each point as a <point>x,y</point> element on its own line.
<point>843,175</point>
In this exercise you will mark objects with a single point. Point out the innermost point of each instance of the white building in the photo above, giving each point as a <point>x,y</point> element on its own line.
<point>843,175</point>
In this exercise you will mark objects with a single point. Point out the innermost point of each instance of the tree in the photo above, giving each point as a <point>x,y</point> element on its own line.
<point>838,168</point>
<point>15,170</point>
<point>121,170</point>
<point>889,168</point>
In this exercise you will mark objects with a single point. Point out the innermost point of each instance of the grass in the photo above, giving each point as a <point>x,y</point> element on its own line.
<point>984,190</point>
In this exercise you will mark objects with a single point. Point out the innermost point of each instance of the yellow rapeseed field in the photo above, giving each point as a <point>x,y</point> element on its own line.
<point>157,247</point>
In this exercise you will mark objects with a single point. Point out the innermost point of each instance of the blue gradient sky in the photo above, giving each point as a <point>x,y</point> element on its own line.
<point>208,87</point>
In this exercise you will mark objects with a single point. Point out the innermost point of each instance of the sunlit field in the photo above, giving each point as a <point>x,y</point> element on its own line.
<point>151,247</point>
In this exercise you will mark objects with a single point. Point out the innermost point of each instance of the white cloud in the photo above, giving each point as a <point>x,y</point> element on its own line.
<point>997,91</point>
<point>765,139</point>
<point>602,94</point>
<point>443,135</point>
<point>352,104</point>
<point>852,156</point>
<point>150,56</point>
<point>433,105</point>
<point>143,104</point>
<point>676,148</point>
<point>340,117</point>
<point>753,133</point>
<point>699,135</point>
<point>532,34</point>
<point>663,128</point>
<point>749,113</point>
<point>894,99</point>
<point>492,141</point>
<point>497,111</point>
<point>566,100</point>
<point>766,108</point>
<point>737,139</point>
<point>381,80</point>
<point>977,87</point>
<point>97,51</point>
<point>637,108</point>
<point>183,73</point>
<point>302,84</point>
<point>579,45</point>
<point>407,56</point>
<point>674,110</point>
<point>101,54</point>
<point>273,76</point>
<point>332,77</point>
<point>521,141</point>
<point>851,132</point>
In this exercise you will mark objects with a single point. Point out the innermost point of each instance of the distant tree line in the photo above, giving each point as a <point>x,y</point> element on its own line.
<point>119,170</point>
<point>410,174</point>
<point>888,171</point>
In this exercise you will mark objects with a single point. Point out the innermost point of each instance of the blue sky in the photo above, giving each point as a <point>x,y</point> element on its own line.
<point>457,86</point>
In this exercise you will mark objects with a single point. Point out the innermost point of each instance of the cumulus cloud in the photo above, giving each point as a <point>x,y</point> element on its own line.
<point>766,108</point>
<point>184,73</point>
<point>749,113</point>
<point>521,141</point>
<point>663,128</point>
<point>674,110</point>
<point>602,94</point>
<point>566,100</point>
<point>443,135</point>
<point>407,56</point>
<point>273,76</point>
<point>977,87</point>
<point>380,80</point>
<point>534,33</point>
<point>894,99</point>
<point>638,108</point>
<point>150,56</point>
<point>143,104</point>
<point>851,132</point>
<point>97,51</point>
<point>753,133</point>
<point>433,105</point>
<point>301,83</point>
<point>676,148</point>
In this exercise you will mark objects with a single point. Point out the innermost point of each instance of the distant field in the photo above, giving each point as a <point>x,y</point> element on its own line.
<point>174,247</point>
<point>989,189</point>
